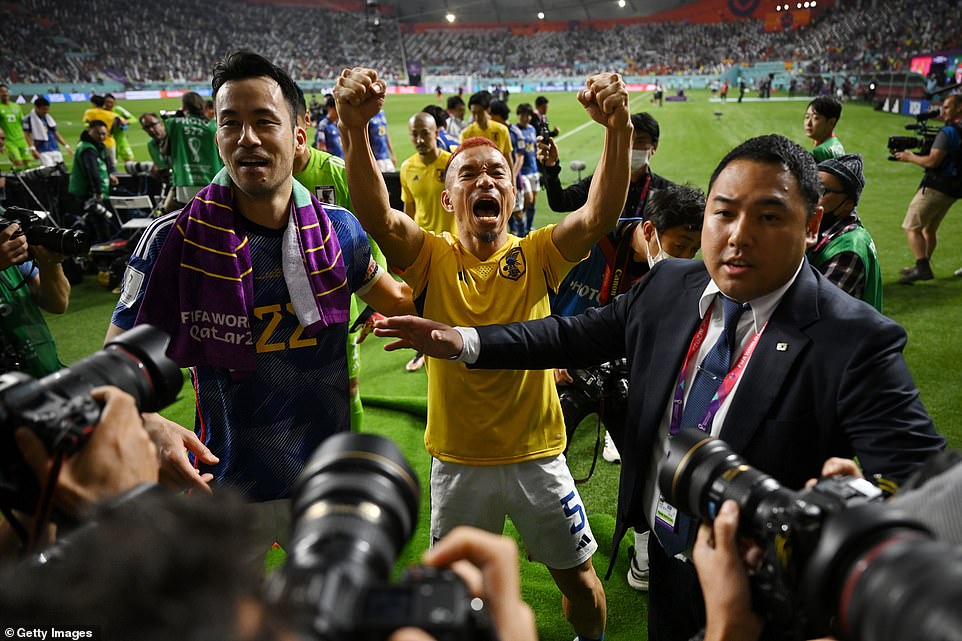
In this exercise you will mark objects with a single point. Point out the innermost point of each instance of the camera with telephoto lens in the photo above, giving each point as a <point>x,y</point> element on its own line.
<point>354,507</point>
<point>41,230</point>
<point>603,386</point>
<point>922,141</point>
<point>61,412</point>
<point>836,558</point>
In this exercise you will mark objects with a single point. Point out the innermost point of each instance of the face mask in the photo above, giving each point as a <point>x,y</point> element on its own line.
<point>660,256</point>
<point>639,159</point>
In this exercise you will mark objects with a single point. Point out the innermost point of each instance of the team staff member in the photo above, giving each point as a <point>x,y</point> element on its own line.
<point>514,428</point>
<point>808,375</point>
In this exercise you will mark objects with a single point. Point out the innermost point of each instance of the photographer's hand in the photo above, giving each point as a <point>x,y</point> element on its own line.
<point>488,563</point>
<point>13,246</point>
<point>119,456</point>
<point>52,292</point>
<point>173,442</point>
<point>723,576</point>
<point>547,152</point>
<point>835,466</point>
<point>426,336</point>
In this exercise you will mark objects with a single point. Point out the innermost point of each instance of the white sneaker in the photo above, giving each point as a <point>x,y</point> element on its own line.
<point>637,577</point>
<point>958,272</point>
<point>610,453</point>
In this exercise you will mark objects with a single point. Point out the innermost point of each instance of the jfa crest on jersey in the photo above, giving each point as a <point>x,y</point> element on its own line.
<point>512,265</point>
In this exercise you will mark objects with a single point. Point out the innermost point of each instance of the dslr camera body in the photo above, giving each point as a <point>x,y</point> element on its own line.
<point>61,412</point>
<point>354,507</point>
<point>836,559</point>
<point>602,388</point>
<point>41,230</point>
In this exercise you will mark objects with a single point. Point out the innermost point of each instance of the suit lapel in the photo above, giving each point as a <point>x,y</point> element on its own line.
<point>676,326</point>
<point>780,345</point>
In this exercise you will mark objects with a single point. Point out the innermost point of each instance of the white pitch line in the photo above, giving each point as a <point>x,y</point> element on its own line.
<point>573,131</point>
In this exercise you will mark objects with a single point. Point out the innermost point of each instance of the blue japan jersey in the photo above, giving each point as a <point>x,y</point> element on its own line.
<point>529,147</point>
<point>377,133</point>
<point>265,426</point>
<point>330,137</point>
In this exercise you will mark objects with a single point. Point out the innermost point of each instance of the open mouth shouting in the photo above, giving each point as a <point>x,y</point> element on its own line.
<point>487,208</point>
<point>252,163</point>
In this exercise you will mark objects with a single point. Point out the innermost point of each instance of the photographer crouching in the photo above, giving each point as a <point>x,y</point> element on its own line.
<point>31,279</point>
<point>940,188</point>
<point>92,175</point>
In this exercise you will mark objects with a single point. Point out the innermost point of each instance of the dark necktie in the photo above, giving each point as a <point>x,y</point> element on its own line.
<point>712,371</point>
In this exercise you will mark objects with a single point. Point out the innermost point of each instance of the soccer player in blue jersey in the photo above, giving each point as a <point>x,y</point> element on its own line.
<point>328,138</point>
<point>381,143</point>
<point>526,147</point>
<point>252,280</point>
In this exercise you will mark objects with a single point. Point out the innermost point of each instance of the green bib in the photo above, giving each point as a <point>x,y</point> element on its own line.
<point>24,329</point>
<point>860,242</point>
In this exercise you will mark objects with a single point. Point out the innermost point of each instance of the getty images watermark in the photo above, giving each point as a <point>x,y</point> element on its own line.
<point>74,632</point>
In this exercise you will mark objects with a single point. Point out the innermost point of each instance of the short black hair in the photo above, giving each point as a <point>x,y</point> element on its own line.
<point>96,123</point>
<point>440,115</point>
<point>300,109</point>
<point>499,108</point>
<point>645,122</point>
<point>41,102</point>
<point>109,95</point>
<point>193,103</point>
<point>525,108</point>
<point>242,65</point>
<point>454,102</point>
<point>827,107</point>
<point>97,101</point>
<point>774,149</point>
<point>540,100</point>
<point>676,205</point>
<point>481,98</point>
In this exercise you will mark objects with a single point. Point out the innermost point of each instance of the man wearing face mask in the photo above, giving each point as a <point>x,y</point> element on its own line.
<point>845,253</point>
<point>672,229</point>
<point>643,181</point>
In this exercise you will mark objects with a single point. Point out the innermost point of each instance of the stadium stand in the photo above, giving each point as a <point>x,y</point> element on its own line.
<point>177,40</point>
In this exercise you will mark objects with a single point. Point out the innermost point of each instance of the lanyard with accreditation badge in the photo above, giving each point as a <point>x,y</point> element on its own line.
<point>665,512</point>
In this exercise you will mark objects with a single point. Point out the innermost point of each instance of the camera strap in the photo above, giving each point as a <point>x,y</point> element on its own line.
<point>41,515</point>
<point>594,457</point>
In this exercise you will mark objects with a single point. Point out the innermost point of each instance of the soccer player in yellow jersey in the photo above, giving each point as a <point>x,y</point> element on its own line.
<point>496,436</point>
<point>104,115</point>
<point>485,127</point>
<point>422,178</point>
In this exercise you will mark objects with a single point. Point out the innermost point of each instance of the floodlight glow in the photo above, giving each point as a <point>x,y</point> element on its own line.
<point>541,15</point>
<point>450,17</point>
<point>621,3</point>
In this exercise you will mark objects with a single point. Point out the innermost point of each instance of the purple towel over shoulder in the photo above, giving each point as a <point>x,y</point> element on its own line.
<point>201,289</point>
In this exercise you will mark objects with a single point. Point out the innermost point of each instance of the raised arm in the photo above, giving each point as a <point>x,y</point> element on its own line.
<point>359,94</point>
<point>606,101</point>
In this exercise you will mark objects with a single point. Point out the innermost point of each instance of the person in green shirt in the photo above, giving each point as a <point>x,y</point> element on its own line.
<point>821,118</point>
<point>324,175</point>
<point>26,287</point>
<point>194,160</point>
<point>154,126</point>
<point>845,252</point>
<point>124,151</point>
<point>19,147</point>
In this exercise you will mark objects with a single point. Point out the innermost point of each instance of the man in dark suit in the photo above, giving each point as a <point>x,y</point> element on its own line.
<point>813,374</point>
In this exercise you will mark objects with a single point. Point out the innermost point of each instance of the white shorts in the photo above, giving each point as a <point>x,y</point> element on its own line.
<point>532,182</point>
<point>385,164</point>
<point>50,158</point>
<point>540,497</point>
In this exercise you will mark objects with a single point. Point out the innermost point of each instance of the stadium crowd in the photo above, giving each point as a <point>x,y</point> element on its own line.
<point>87,42</point>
